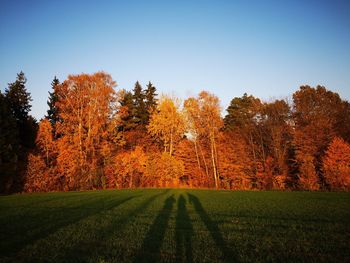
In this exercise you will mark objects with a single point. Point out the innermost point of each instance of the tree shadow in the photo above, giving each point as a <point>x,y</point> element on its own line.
<point>150,249</point>
<point>183,233</point>
<point>228,254</point>
<point>99,246</point>
<point>46,221</point>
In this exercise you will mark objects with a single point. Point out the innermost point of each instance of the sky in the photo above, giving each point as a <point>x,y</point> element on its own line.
<point>264,48</point>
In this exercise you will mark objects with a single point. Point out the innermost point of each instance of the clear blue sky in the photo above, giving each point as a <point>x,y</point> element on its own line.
<point>264,48</point>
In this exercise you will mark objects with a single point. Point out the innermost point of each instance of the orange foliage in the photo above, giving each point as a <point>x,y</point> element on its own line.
<point>163,170</point>
<point>86,108</point>
<point>194,174</point>
<point>234,162</point>
<point>129,168</point>
<point>101,143</point>
<point>36,174</point>
<point>336,165</point>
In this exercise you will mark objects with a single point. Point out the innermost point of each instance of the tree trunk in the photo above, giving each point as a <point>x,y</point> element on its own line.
<point>212,143</point>
<point>197,156</point>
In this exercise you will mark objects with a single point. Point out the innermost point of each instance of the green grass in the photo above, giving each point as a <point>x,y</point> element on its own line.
<point>175,226</point>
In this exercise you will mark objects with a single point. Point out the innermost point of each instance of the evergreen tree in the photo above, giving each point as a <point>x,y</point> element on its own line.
<point>8,143</point>
<point>18,99</point>
<point>126,112</point>
<point>140,112</point>
<point>150,100</point>
<point>52,112</point>
<point>8,132</point>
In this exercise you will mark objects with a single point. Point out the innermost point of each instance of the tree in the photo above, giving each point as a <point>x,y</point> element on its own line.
<point>316,117</point>
<point>205,118</point>
<point>129,168</point>
<point>126,111</point>
<point>8,144</point>
<point>19,100</point>
<point>150,100</point>
<point>86,107</point>
<point>36,175</point>
<point>244,115</point>
<point>193,174</point>
<point>45,141</point>
<point>17,106</point>
<point>163,170</point>
<point>277,131</point>
<point>41,173</point>
<point>195,131</point>
<point>140,111</point>
<point>336,165</point>
<point>52,113</point>
<point>235,163</point>
<point>8,133</point>
<point>167,123</point>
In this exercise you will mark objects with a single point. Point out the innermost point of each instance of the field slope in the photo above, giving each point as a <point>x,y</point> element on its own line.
<point>166,225</point>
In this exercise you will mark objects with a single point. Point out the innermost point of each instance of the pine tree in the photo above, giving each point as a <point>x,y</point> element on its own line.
<point>140,112</point>
<point>8,143</point>
<point>126,112</point>
<point>150,100</point>
<point>52,112</point>
<point>8,132</point>
<point>18,98</point>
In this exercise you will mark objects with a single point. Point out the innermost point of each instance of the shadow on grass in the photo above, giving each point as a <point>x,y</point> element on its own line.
<point>150,249</point>
<point>183,233</point>
<point>99,247</point>
<point>227,252</point>
<point>46,221</point>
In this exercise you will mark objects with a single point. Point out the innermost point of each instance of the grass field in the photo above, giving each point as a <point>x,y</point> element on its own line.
<point>151,225</point>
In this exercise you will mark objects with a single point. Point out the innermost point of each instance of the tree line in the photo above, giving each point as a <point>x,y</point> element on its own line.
<point>96,137</point>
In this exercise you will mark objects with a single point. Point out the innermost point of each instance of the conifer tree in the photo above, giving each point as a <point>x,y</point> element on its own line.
<point>150,97</point>
<point>140,112</point>
<point>52,113</point>
<point>8,131</point>
<point>126,112</point>
<point>18,99</point>
<point>8,143</point>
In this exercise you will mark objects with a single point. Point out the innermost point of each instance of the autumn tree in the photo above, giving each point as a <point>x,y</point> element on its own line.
<point>167,123</point>
<point>277,133</point>
<point>205,122</point>
<point>36,175</point>
<point>129,168</point>
<point>193,173</point>
<point>316,117</point>
<point>45,141</point>
<point>196,132</point>
<point>236,169</point>
<point>41,172</point>
<point>336,165</point>
<point>163,170</point>
<point>85,107</point>
<point>243,116</point>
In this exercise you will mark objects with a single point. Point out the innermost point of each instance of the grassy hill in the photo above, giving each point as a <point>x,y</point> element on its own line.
<point>168,225</point>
